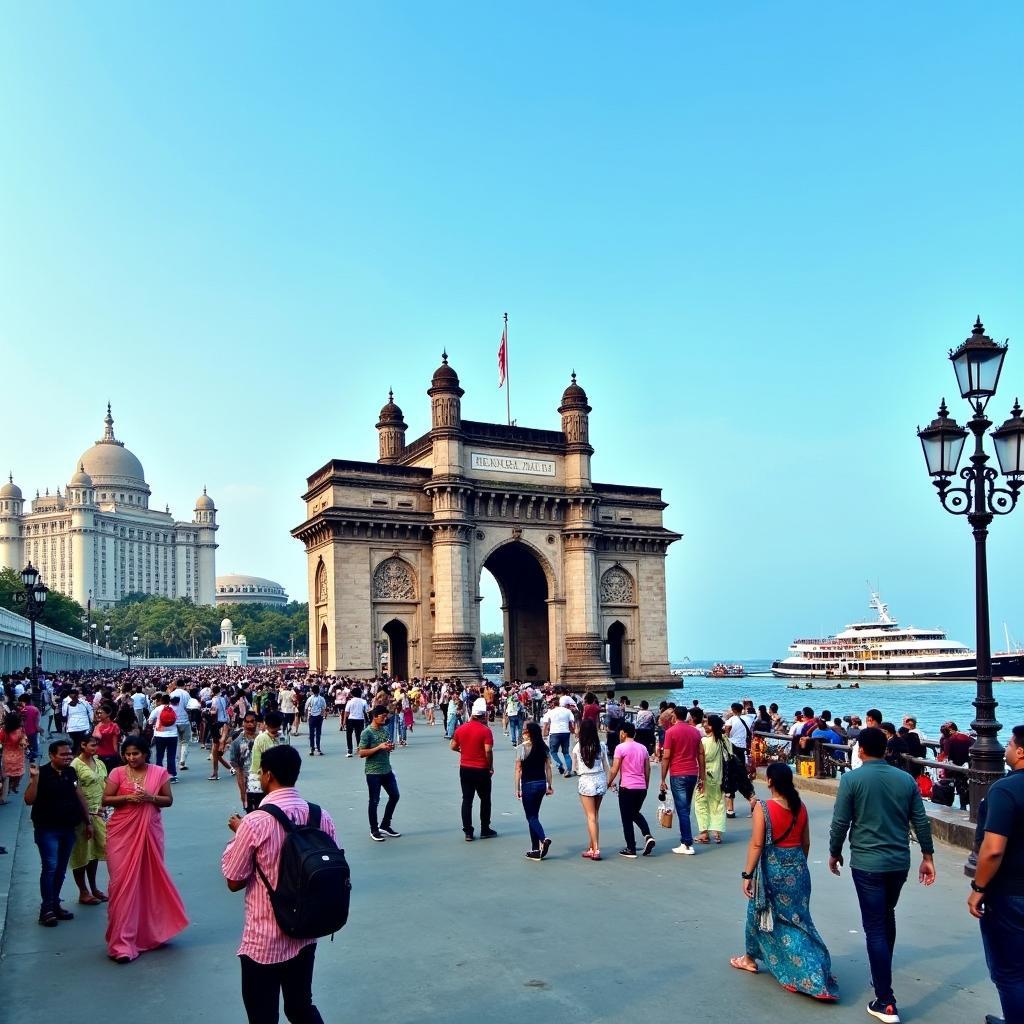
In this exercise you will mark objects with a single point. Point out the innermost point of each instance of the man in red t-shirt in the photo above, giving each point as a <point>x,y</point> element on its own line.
<point>30,723</point>
<point>682,769</point>
<point>474,744</point>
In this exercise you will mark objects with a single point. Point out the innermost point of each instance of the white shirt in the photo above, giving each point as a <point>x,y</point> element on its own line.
<point>163,731</point>
<point>356,709</point>
<point>737,733</point>
<point>558,720</point>
<point>77,717</point>
<point>182,709</point>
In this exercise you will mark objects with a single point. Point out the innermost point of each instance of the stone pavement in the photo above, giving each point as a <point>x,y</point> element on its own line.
<point>452,931</point>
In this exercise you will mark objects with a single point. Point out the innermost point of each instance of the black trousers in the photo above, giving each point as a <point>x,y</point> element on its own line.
<point>743,784</point>
<point>264,984</point>
<point>475,782</point>
<point>630,802</point>
<point>353,725</point>
<point>374,784</point>
<point>316,724</point>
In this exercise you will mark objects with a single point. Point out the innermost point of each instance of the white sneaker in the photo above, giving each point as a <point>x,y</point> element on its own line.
<point>688,851</point>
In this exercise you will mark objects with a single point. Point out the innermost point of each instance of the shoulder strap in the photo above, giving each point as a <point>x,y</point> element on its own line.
<point>281,818</point>
<point>314,816</point>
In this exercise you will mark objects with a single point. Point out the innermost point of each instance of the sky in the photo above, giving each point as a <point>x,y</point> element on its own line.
<point>753,230</point>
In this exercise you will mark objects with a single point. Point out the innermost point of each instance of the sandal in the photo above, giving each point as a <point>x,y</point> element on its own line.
<point>213,778</point>
<point>89,901</point>
<point>737,962</point>
<point>718,838</point>
<point>101,896</point>
<point>702,838</point>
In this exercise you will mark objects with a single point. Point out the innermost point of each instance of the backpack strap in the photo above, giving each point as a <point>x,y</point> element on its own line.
<point>281,818</point>
<point>314,816</point>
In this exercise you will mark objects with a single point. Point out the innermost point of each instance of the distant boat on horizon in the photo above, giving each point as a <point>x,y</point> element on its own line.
<point>883,649</point>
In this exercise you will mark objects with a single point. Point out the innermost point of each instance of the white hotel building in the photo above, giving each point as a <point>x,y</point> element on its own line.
<point>100,540</point>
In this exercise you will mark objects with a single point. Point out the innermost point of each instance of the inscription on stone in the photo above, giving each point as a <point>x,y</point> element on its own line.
<point>511,464</point>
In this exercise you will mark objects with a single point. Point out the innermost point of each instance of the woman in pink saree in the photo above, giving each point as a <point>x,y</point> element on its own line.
<point>145,909</point>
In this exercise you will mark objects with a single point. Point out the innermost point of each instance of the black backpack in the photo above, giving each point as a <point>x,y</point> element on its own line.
<point>314,884</point>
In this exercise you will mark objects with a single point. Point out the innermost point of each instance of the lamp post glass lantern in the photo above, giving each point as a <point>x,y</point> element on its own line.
<point>978,363</point>
<point>34,599</point>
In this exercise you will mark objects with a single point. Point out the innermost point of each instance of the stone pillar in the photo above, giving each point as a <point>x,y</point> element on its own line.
<point>453,647</point>
<point>584,663</point>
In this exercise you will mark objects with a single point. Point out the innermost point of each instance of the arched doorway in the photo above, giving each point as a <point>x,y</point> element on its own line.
<point>524,594</point>
<point>398,649</point>
<point>321,660</point>
<point>617,650</point>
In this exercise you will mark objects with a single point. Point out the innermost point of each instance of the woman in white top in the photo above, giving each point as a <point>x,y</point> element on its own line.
<point>590,763</point>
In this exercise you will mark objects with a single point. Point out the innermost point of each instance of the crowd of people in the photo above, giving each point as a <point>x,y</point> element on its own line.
<point>122,740</point>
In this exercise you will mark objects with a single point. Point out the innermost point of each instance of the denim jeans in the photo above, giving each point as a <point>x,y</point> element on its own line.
<point>316,724</point>
<point>878,892</point>
<point>515,728</point>
<point>533,794</point>
<point>1002,934</point>
<point>403,729</point>
<point>559,741</point>
<point>55,846</point>
<point>682,787</point>
<point>375,783</point>
<point>167,748</point>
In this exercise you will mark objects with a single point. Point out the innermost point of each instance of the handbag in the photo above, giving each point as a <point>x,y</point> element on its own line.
<point>664,812</point>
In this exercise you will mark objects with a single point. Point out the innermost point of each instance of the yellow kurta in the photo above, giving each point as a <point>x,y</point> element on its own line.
<point>92,782</point>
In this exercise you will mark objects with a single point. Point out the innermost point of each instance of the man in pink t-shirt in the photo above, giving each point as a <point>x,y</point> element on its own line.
<point>633,765</point>
<point>682,769</point>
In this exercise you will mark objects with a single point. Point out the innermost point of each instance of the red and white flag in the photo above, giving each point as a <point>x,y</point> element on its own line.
<point>503,357</point>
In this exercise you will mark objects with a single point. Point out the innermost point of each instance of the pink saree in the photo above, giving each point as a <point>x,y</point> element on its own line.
<point>145,909</point>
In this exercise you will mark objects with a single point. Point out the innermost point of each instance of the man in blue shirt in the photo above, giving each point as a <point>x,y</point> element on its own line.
<point>316,708</point>
<point>997,891</point>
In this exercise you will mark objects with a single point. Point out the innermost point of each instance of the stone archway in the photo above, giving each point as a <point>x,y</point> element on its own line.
<point>321,661</point>
<point>616,640</point>
<point>524,592</point>
<point>397,636</point>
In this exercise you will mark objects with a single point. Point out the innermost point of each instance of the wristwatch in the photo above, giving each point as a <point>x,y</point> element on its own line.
<point>748,875</point>
<point>976,887</point>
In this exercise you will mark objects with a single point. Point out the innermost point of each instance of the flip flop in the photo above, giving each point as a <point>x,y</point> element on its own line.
<point>89,901</point>
<point>101,896</point>
<point>702,841</point>
<point>737,962</point>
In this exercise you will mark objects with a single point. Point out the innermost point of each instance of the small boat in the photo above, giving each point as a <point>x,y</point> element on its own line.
<point>722,671</point>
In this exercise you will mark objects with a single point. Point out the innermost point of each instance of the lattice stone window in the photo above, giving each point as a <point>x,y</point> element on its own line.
<point>617,587</point>
<point>393,581</point>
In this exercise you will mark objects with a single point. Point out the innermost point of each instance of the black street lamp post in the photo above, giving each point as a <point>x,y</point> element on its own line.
<point>34,599</point>
<point>130,648</point>
<point>978,362</point>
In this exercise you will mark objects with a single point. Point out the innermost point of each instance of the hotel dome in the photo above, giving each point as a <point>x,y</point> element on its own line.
<point>239,589</point>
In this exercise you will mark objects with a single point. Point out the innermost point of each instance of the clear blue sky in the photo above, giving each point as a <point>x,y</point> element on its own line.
<point>754,232</point>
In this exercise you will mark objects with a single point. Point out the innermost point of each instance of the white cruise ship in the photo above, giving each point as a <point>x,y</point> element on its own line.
<point>886,650</point>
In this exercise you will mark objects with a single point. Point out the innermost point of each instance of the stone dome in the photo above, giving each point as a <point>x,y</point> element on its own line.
<point>10,489</point>
<point>237,588</point>
<point>574,395</point>
<point>81,478</point>
<point>109,463</point>
<point>226,624</point>
<point>444,375</point>
<point>391,412</point>
<point>205,503</point>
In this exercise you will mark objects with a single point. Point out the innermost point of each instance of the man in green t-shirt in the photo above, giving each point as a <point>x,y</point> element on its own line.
<point>270,737</point>
<point>375,748</point>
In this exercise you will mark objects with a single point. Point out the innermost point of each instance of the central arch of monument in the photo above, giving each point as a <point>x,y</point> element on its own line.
<point>395,550</point>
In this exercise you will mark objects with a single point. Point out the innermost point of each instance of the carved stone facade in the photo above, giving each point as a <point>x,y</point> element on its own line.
<point>396,549</point>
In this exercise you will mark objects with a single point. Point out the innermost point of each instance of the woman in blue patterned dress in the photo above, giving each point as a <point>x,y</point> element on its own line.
<point>779,931</point>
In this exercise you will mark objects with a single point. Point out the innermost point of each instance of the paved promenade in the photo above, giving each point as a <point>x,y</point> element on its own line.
<point>458,932</point>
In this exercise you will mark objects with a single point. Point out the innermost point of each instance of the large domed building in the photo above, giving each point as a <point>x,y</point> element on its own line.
<point>238,589</point>
<point>100,541</point>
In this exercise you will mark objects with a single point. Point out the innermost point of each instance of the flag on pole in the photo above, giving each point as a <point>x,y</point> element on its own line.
<point>503,357</point>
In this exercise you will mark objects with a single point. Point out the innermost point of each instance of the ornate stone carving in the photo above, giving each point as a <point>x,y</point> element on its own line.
<point>321,584</point>
<point>617,587</point>
<point>393,581</point>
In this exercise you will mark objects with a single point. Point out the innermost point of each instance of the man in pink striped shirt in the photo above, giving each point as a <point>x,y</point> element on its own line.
<point>272,963</point>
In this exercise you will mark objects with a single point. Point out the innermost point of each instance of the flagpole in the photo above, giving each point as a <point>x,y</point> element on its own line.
<point>508,385</point>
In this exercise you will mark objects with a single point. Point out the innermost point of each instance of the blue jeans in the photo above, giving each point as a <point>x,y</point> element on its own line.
<point>559,741</point>
<point>167,748</point>
<point>55,846</point>
<point>878,892</point>
<point>1002,934</point>
<point>515,728</point>
<point>316,725</point>
<point>682,787</point>
<point>375,783</point>
<point>533,794</point>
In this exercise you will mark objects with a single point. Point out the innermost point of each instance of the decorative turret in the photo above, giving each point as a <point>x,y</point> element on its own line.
<point>576,426</point>
<point>392,428</point>
<point>206,511</point>
<point>445,395</point>
<point>205,517</point>
<point>11,506</point>
<point>80,488</point>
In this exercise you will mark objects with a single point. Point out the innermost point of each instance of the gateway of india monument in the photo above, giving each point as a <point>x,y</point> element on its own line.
<point>395,550</point>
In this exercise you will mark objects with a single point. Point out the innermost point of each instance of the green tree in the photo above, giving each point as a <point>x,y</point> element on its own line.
<point>60,612</point>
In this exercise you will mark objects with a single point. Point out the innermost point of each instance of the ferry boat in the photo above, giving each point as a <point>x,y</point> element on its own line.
<point>884,649</point>
<point>723,671</point>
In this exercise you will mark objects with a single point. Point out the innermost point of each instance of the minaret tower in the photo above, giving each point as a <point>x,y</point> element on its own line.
<point>392,430</point>
<point>12,552</point>
<point>453,645</point>
<point>584,645</point>
<point>81,500</point>
<point>205,517</point>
